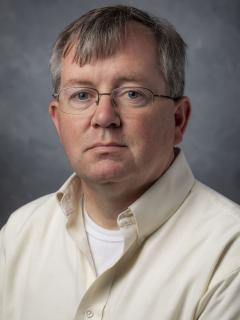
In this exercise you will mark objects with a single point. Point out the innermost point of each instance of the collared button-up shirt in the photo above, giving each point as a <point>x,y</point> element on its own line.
<point>181,258</point>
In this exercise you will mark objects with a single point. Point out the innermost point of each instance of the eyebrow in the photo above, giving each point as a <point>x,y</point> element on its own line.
<point>119,81</point>
<point>132,78</point>
<point>78,82</point>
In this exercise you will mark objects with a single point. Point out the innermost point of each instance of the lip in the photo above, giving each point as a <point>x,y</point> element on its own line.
<point>106,146</point>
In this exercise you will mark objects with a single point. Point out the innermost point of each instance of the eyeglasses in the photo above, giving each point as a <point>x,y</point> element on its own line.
<point>78,100</point>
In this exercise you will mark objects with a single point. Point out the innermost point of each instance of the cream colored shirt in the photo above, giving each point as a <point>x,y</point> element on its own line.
<point>181,258</point>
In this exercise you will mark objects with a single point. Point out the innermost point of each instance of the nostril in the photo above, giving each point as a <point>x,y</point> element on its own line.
<point>114,125</point>
<point>105,123</point>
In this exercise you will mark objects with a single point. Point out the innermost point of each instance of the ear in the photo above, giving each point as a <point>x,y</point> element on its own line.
<point>53,111</point>
<point>182,115</point>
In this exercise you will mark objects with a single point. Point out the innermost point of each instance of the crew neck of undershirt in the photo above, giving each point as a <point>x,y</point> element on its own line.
<point>101,233</point>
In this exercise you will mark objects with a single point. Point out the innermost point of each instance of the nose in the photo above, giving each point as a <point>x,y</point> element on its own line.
<point>105,115</point>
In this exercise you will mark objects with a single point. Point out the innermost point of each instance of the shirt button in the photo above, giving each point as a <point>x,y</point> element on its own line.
<point>89,314</point>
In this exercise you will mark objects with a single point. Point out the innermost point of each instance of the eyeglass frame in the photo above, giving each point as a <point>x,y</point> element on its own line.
<point>99,94</point>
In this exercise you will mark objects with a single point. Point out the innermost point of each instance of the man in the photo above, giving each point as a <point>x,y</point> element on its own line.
<point>132,234</point>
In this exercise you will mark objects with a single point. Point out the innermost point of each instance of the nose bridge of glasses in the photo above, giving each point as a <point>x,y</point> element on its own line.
<point>106,94</point>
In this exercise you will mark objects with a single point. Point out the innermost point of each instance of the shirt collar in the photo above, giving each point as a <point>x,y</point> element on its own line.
<point>69,195</point>
<point>163,198</point>
<point>150,210</point>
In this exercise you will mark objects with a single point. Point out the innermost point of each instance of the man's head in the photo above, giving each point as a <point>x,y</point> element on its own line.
<point>99,33</point>
<point>117,139</point>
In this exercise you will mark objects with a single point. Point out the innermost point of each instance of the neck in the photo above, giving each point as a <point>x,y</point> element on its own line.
<point>103,205</point>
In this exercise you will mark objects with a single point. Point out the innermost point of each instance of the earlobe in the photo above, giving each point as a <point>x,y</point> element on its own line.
<point>182,114</point>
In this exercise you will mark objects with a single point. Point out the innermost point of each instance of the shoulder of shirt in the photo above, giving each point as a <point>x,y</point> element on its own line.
<point>215,202</point>
<point>218,219</point>
<point>24,214</point>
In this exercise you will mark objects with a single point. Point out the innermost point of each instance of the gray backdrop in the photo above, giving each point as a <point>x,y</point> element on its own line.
<point>32,162</point>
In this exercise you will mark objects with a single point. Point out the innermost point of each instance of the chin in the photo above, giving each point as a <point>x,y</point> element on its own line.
<point>107,172</point>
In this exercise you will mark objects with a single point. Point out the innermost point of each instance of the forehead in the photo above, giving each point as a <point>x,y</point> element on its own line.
<point>136,57</point>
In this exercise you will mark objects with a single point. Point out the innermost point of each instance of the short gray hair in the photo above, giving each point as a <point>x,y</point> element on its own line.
<point>98,34</point>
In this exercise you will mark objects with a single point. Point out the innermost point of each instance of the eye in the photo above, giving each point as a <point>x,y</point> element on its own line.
<point>133,97</point>
<point>133,94</point>
<point>82,95</point>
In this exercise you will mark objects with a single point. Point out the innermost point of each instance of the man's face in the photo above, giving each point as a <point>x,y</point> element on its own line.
<point>109,146</point>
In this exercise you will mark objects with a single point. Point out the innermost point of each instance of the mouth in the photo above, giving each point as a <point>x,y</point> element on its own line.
<point>107,147</point>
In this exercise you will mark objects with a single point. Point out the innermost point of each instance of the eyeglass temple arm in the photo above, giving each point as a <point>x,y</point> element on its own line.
<point>55,95</point>
<point>166,97</point>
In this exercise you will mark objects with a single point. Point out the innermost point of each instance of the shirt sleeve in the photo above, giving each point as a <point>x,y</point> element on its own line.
<point>2,268</point>
<point>222,302</point>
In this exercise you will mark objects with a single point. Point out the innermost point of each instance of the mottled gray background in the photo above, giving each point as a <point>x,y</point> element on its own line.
<point>32,162</point>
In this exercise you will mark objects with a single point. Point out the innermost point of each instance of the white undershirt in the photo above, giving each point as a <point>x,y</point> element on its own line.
<point>106,245</point>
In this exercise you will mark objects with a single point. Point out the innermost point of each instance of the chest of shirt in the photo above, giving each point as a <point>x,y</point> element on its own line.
<point>54,279</point>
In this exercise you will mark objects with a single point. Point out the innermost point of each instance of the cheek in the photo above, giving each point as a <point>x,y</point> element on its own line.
<point>71,134</point>
<point>153,131</point>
